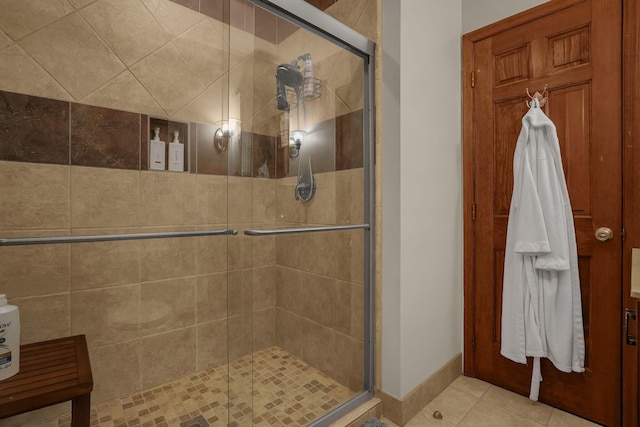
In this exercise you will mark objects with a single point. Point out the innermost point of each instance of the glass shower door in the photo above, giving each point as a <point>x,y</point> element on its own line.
<point>299,182</point>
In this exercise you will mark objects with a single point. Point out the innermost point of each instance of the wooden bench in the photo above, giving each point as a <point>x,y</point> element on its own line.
<point>51,372</point>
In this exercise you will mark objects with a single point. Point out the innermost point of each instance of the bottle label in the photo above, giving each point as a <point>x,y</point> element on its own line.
<point>5,357</point>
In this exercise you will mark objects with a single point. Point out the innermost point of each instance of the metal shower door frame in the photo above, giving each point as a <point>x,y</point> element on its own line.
<point>308,17</point>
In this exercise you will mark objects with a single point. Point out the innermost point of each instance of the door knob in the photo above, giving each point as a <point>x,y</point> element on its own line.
<point>604,234</point>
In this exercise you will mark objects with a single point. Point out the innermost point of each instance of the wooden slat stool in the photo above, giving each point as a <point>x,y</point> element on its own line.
<point>51,372</point>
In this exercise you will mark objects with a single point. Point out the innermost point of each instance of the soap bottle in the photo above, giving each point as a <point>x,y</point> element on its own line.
<point>176,153</point>
<point>156,152</point>
<point>9,339</point>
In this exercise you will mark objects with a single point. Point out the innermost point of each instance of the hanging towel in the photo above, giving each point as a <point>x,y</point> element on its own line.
<point>541,305</point>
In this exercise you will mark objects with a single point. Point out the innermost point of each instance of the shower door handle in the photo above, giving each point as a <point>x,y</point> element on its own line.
<point>299,230</point>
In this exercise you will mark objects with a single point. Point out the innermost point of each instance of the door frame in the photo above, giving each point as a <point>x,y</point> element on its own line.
<point>630,201</point>
<point>631,172</point>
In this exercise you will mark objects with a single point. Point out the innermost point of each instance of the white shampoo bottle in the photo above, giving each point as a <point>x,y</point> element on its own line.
<point>9,339</point>
<point>156,152</point>
<point>176,153</point>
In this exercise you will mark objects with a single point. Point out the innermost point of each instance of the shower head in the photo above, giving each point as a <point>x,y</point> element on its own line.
<point>287,75</point>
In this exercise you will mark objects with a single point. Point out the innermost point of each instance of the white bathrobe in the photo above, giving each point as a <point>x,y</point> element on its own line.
<point>541,306</point>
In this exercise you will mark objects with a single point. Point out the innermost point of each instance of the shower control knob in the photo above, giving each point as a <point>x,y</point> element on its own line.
<point>604,234</point>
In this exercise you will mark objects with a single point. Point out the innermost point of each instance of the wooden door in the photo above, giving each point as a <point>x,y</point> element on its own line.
<point>574,48</point>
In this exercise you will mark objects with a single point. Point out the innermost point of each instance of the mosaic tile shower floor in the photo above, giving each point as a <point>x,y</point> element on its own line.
<point>286,392</point>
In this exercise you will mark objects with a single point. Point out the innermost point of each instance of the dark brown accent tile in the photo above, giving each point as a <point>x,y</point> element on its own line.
<point>266,25</point>
<point>105,138</point>
<point>349,140</point>
<point>321,4</point>
<point>33,129</point>
<point>235,13</point>
<point>282,158</point>
<point>191,4</point>
<point>264,150</point>
<point>144,142</point>
<point>214,9</point>
<point>209,160</point>
<point>284,29</point>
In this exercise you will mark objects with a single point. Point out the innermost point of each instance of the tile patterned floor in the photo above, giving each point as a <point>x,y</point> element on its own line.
<point>286,392</point>
<point>471,402</point>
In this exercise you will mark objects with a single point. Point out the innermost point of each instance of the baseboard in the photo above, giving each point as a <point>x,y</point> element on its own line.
<point>400,411</point>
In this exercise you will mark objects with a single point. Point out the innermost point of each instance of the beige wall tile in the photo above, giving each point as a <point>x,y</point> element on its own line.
<point>240,250</point>
<point>350,196</point>
<point>287,208</point>
<point>21,74</point>
<point>34,270</point>
<point>167,305</point>
<point>318,347</point>
<point>211,253</point>
<point>264,328</point>
<point>43,318</point>
<point>264,288</point>
<point>167,76</point>
<point>207,106</point>
<point>289,250</point>
<point>116,371</point>
<point>167,258</point>
<point>124,92</point>
<point>168,356</point>
<point>349,255</point>
<point>264,200</point>
<point>167,198</point>
<point>103,197</point>
<point>366,24</point>
<point>20,18</point>
<point>211,199</point>
<point>73,55</point>
<point>264,251</point>
<point>349,355</point>
<point>127,27</point>
<point>322,208</point>
<point>4,40</point>
<point>349,318</point>
<point>240,336</point>
<point>318,254</point>
<point>211,297</point>
<point>80,3</point>
<point>106,316</point>
<point>212,344</point>
<point>173,18</point>
<point>239,293</point>
<point>347,12</point>
<point>289,332</point>
<point>100,264</point>
<point>318,298</point>
<point>289,289</point>
<point>34,196</point>
<point>240,195</point>
<point>203,47</point>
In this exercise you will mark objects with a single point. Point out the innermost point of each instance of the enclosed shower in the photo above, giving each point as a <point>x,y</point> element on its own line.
<point>189,184</point>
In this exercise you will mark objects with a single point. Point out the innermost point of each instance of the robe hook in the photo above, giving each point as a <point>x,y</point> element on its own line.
<point>541,97</point>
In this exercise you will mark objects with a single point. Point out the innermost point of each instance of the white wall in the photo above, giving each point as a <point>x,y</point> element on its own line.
<point>422,267</point>
<point>422,222</point>
<point>478,13</point>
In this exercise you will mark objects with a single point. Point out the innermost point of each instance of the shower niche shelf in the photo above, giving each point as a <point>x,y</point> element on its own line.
<point>167,129</point>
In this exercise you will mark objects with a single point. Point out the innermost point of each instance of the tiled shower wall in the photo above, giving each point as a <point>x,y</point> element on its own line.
<point>163,302</point>
<point>132,298</point>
